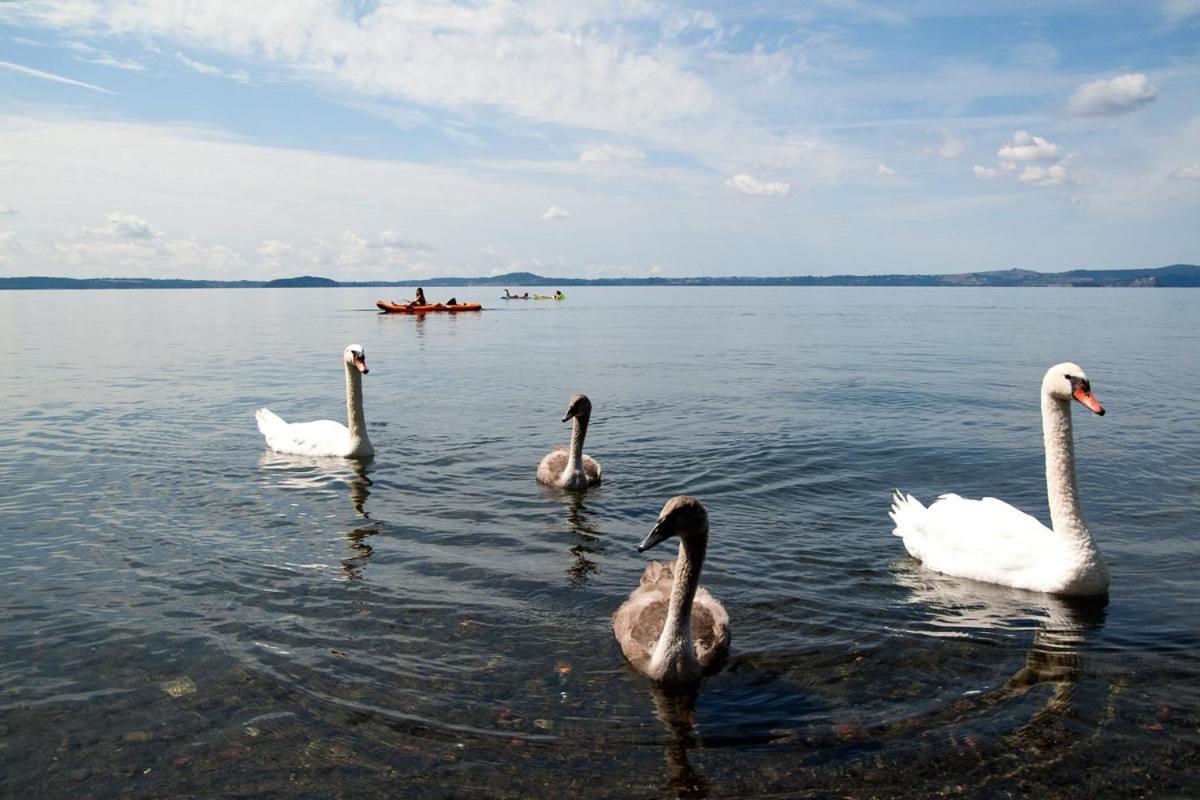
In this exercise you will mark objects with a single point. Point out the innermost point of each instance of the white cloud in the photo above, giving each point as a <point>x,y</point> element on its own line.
<point>985,172</point>
<point>241,193</point>
<point>580,66</point>
<point>885,170</point>
<point>1026,148</point>
<point>7,210</point>
<point>748,185</point>
<point>608,152</point>
<point>50,76</point>
<point>952,147</point>
<point>129,246</point>
<point>1107,98</point>
<point>643,70</point>
<point>1034,175</point>
<point>1188,172</point>
<point>554,212</point>
<point>124,226</point>
<point>353,254</point>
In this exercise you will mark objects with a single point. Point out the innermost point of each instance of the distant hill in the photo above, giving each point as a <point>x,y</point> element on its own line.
<point>1173,276</point>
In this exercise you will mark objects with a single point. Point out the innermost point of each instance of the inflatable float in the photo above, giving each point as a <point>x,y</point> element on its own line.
<point>400,308</point>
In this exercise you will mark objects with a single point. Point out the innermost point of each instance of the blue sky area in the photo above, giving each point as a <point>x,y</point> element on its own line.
<point>375,140</point>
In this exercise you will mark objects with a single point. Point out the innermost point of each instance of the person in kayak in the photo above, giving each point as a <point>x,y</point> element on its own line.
<point>419,300</point>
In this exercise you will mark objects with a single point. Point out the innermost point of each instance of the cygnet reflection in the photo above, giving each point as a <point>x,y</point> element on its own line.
<point>677,711</point>
<point>587,536</point>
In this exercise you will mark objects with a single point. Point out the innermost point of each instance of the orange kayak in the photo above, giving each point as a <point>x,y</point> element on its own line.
<point>393,308</point>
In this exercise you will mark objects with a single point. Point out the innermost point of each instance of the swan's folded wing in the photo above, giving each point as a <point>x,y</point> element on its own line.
<point>710,629</point>
<point>592,469</point>
<point>552,466</point>
<point>638,623</point>
<point>323,437</point>
<point>978,538</point>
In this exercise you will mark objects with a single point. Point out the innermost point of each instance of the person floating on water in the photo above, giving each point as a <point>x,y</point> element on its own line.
<point>510,296</point>
<point>559,295</point>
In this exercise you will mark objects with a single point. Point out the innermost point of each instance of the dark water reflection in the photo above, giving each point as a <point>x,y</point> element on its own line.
<point>185,614</point>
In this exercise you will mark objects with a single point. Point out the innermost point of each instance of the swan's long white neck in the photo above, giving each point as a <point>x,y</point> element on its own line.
<point>575,451</point>
<point>1065,515</point>
<point>674,656</point>
<point>356,420</point>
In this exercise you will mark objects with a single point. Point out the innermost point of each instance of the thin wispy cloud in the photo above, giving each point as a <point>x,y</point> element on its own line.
<point>198,67</point>
<point>608,152</point>
<point>554,212</point>
<point>1177,11</point>
<point>50,76</point>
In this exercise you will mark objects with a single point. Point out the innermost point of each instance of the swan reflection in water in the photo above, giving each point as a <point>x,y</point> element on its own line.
<point>958,607</point>
<point>579,520</point>
<point>308,473</point>
<point>315,473</point>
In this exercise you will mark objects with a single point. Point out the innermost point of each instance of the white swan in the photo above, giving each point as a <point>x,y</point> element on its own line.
<point>570,468</point>
<point>670,629</point>
<point>325,437</point>
<point>989,540</point>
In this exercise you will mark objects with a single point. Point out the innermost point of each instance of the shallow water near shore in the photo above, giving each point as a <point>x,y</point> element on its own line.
<point>188,614</point>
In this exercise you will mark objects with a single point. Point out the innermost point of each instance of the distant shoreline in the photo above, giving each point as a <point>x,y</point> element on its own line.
<point>1173,276</point>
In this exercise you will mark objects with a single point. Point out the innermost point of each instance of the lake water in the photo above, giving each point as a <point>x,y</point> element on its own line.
<point>187,614</point>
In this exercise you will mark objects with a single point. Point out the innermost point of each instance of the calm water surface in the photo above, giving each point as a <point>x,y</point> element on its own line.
<point>187,614</point>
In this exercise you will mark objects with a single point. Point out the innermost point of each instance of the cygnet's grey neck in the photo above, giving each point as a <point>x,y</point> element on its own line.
<point>675,656</point>
<point>575,451</point>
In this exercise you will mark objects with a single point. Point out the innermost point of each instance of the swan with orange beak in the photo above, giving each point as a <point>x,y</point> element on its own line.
<point>990,540</point>
<point>326,437</point>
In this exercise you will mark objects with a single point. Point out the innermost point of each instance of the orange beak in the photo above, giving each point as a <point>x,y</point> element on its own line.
<point>1088,399</point>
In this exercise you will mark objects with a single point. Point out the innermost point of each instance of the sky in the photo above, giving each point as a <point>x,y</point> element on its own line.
<point>596,138</point>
